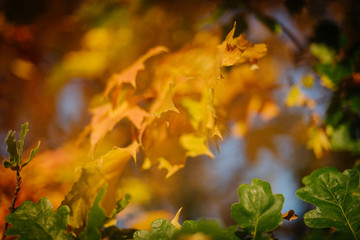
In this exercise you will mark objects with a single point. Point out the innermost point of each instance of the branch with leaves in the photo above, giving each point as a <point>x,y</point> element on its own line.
<point>15,163</point>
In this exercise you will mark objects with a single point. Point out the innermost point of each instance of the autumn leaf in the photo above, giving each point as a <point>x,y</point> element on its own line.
<point>105,117</point>
<point>165,101</point>
<point>297,98</point>
<point>175,220</point>
<point>129,74</point>
<point>238,50</point>
<point>195,145</point>
<point>106,169</point>
<point>318,141</point>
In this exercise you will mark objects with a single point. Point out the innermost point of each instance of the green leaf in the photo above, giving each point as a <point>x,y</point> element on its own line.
<point>337,198</point>
<point>210,228</point>
<point>96,218</point>
<point>12,147</point>
<point>258,210</point>
<point>161,229</point>
<point>8,164</point>
<point>23,132</point>
<point>39,221</point>
<point>32,155</point>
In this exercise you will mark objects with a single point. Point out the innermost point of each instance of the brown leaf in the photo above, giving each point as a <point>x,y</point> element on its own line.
<point>290,215</point>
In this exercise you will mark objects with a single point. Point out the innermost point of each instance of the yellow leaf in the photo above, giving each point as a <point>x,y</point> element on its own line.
<point>318,141</point>
<point>106,169</point>
<point>195,145</point>
<point>194,110</point>
<point>175,220</point>
<point>238,50</point>
<point>105,117</point>
<point>165,101</point>
<point>294,96</point>
<point>171,168</point>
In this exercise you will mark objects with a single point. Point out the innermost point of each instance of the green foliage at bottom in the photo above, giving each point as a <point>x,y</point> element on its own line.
<point>38,221</point>
<point>336,196</point>
<point>161,229</point>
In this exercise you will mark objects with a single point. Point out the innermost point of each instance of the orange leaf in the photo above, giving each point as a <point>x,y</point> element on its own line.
<point>129,74</point>
<point>238,50</point>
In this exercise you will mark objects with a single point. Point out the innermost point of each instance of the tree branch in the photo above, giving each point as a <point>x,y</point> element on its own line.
<point>12,206</point>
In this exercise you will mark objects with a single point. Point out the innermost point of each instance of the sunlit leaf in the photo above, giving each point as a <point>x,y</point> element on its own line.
<point>195,145</point>
<point>318,141</point>
<point>238,50</point>
<point>106,169</point>
<point>175,220</point>
<point>165,102</point>
<point>171,169</point>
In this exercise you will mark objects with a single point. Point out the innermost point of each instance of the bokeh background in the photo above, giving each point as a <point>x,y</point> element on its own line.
<point>56,57</point>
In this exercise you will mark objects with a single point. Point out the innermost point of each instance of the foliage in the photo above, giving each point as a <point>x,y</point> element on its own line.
<point>39,221</point>
<point>258,210</point>
<point>15,149</point>
<point>336,197</point>
<point>164,83</point>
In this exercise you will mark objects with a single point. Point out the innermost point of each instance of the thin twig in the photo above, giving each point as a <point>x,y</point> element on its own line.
<point>12,206</point>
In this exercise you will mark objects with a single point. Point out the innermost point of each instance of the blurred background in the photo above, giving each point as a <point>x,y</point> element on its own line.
<point>56,57</point>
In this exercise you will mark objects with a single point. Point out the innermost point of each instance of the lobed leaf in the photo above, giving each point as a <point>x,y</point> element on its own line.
<point>12,148</point>
<point>337,198</point>
<point>39,221</point>
<point>161,229</point>
<point>258,210</point>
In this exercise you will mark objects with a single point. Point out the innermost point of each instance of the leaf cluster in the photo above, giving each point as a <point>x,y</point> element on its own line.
<point>15,149</point>
<point>257,214</point>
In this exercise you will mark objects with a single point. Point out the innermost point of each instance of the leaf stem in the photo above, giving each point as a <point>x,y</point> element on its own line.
<point>12,206</point>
